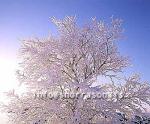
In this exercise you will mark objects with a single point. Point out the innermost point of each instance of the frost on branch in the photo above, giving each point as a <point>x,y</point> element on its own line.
<point>71,62</point>
<point>77,56</point>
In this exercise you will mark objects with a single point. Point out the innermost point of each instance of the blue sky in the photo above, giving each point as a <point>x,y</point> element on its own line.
<point>21,19</point>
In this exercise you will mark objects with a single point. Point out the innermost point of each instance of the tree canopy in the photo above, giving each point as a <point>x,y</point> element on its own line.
<point>70,64</point>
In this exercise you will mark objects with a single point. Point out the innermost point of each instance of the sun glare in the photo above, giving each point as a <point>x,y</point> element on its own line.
<point>8,79</point>
<point>7,74</point>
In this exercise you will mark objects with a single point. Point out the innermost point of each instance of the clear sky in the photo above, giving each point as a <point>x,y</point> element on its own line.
<point>27,18</point>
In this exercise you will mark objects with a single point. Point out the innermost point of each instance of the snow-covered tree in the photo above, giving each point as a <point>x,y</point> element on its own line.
<point>71,63</point>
